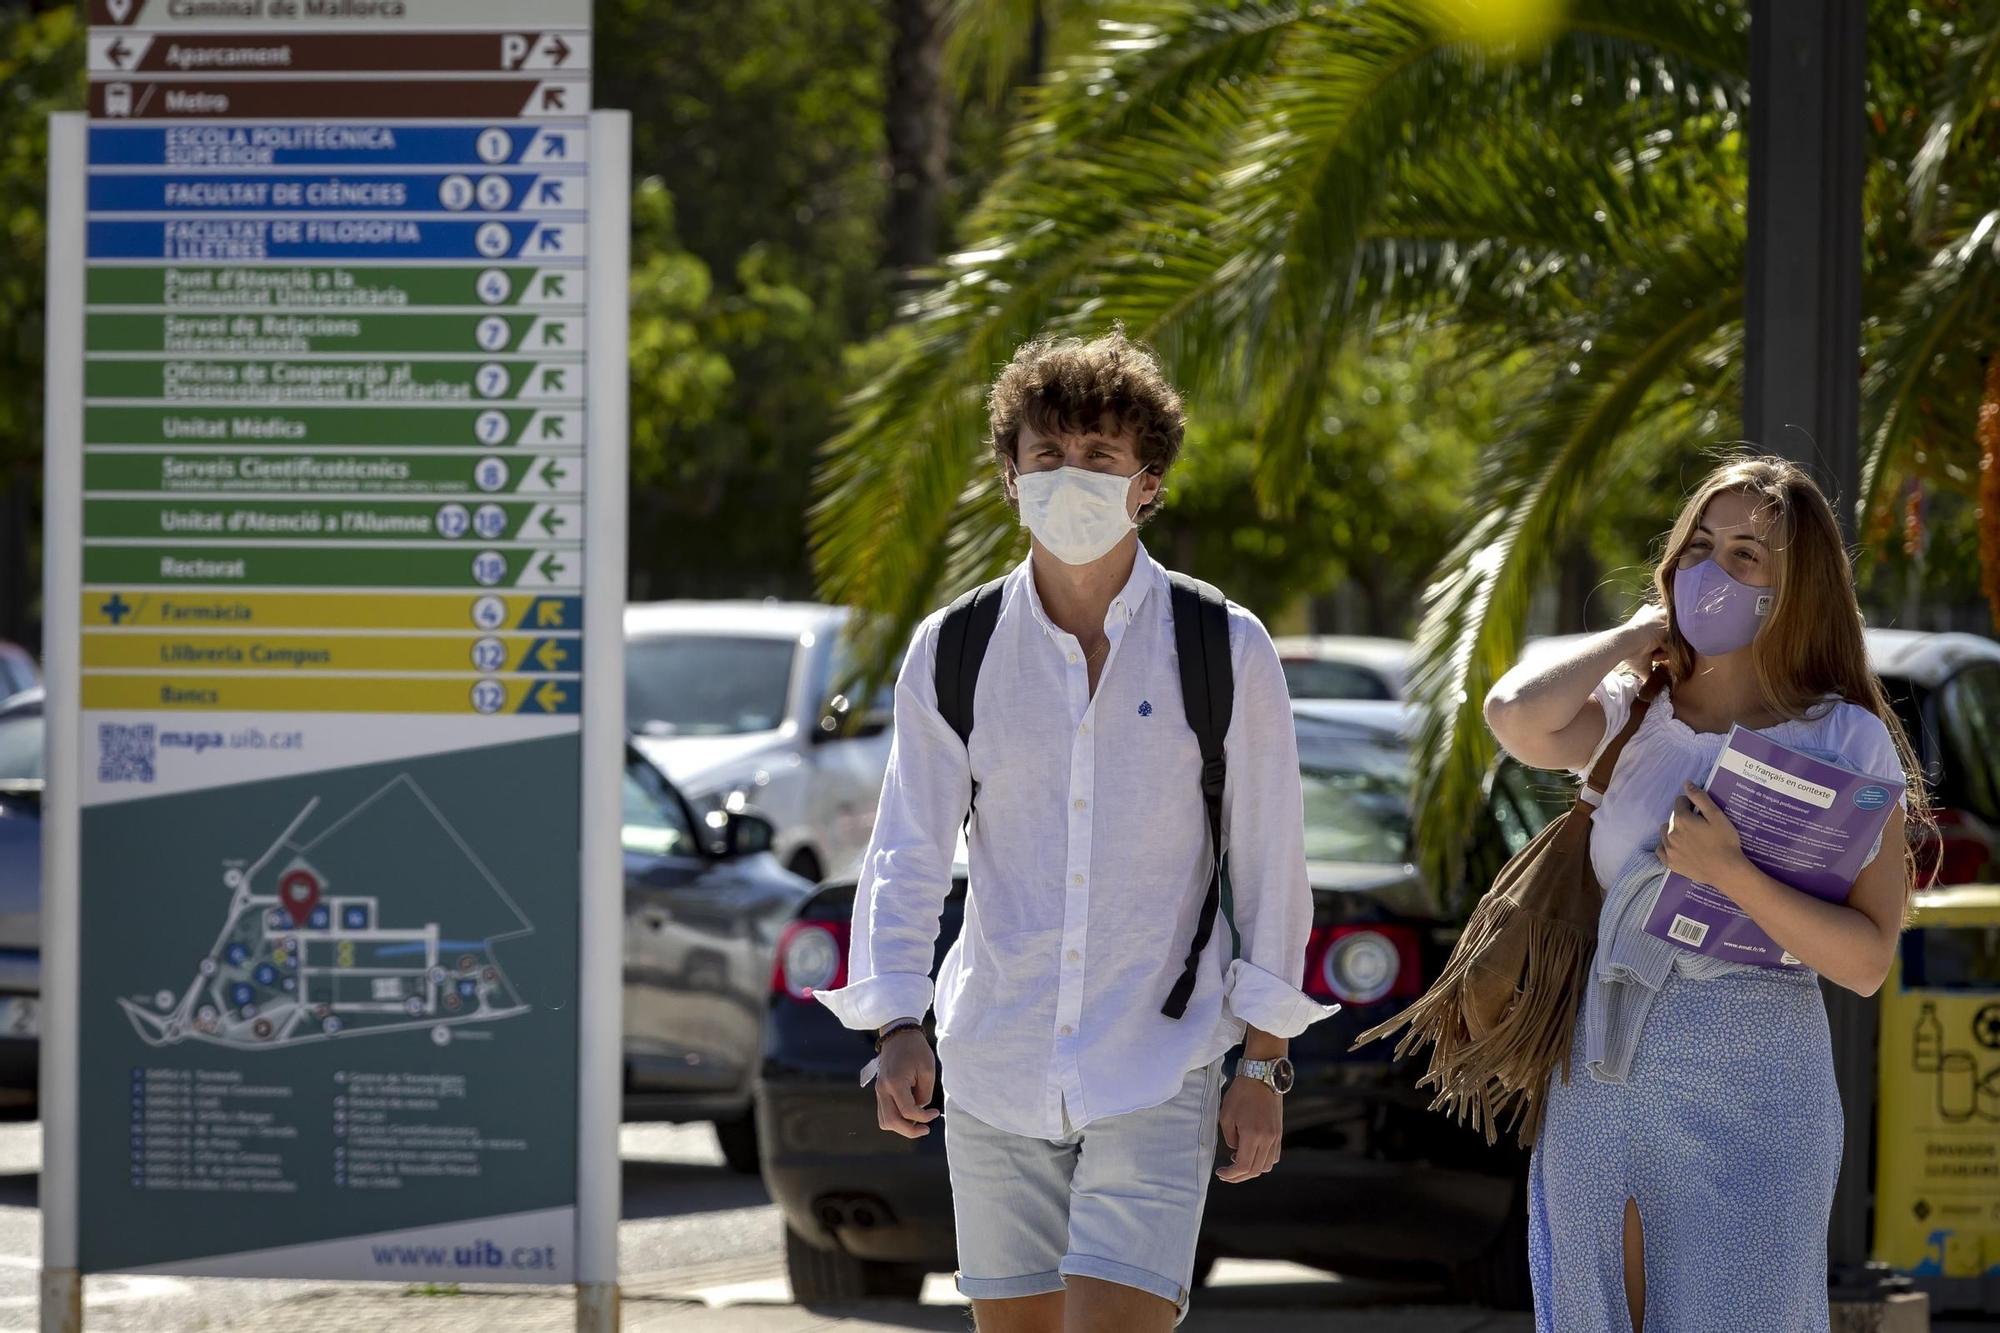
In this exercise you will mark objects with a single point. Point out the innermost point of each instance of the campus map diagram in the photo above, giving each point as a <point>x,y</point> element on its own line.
<point>384,921</point>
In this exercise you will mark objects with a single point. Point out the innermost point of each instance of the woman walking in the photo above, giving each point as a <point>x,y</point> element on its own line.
<point>1684,1174</point>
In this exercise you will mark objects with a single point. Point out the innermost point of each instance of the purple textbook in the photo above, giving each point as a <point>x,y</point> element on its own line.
<point>1803,821</point>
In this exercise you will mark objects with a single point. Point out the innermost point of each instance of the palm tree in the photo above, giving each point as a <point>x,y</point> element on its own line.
<point>1263,187</point>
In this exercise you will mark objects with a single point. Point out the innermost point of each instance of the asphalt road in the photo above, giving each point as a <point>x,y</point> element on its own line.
<point>700,1250</point>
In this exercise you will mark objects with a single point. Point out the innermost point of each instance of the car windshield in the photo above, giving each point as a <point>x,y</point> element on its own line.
<point>1314,678</point>
<point>706,684</point>
<point>1357,799</point>
<point>21,747</point>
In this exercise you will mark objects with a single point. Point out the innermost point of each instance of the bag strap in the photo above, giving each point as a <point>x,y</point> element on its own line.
<point>1208,694</point>
<point>962,638</point>
<point>1599,780</point>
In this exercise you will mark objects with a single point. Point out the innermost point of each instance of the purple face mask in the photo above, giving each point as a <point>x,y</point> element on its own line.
<point>1716,613</point>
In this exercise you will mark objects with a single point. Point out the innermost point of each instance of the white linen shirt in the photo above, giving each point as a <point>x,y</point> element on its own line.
<point>1089,859</point>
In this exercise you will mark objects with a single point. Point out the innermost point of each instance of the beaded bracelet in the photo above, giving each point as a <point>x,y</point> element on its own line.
<point>903,1025</point>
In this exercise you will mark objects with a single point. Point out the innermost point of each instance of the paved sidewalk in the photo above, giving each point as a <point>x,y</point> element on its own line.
<point>739,1298</point>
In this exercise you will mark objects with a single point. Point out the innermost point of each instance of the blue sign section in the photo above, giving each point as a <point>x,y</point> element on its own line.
<point>457,192</point>
<point>336,145</point>
<point>344,238</point>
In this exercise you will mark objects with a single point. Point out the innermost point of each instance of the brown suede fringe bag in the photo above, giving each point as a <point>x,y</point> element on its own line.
<point>1500,1017</point>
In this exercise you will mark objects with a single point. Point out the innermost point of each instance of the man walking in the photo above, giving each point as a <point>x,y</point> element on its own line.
<point>1084,1013</point>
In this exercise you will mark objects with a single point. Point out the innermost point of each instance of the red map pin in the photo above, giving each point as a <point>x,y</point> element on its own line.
<point>298,890</point>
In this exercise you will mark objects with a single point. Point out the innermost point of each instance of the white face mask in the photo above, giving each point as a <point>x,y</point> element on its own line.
<point>1075,513</point>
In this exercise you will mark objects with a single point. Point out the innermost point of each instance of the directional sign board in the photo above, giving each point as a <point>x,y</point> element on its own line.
<point>328,487</point>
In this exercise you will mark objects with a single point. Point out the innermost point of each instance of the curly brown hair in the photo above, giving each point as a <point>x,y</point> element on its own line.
<point>1064,386</point>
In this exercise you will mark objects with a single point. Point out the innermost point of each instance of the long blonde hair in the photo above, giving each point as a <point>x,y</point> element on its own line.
<point>1811,645</point>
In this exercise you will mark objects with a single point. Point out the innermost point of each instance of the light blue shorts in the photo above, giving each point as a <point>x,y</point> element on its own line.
<point>1119,1200</point>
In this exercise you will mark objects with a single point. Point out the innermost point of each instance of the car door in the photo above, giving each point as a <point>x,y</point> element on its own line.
<point>688,1025</point>
<point>847,767</point>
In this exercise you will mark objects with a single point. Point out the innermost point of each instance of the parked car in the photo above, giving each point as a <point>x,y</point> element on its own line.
<point>1372,1182</point>
<point>737,703</point>
<point>20,896</point>
<point>705,903</point>
<point>1344,666</point>
<point>1946,690</point>
<point>18,671</point>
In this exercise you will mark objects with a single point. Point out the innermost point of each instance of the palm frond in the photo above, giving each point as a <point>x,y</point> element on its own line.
<point>1533,487</point>
<point>1945,311</point>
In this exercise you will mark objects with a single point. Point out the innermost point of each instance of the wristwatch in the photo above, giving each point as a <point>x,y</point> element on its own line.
<point>1273,1074</point>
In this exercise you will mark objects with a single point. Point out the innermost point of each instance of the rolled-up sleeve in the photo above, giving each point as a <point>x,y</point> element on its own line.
<point>906,873</point>
<point>1263,821</point>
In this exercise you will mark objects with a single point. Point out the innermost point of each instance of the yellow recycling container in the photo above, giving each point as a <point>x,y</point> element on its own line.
<point>1937,1159</point>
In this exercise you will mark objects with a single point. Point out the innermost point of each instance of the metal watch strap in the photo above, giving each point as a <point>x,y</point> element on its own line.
<point>1260,1071</point>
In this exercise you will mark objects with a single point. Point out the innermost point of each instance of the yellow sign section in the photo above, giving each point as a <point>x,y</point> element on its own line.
<point>1937,1183</point>
<point>156,608</point>
<point>455,653</point>
<point>330,694</point>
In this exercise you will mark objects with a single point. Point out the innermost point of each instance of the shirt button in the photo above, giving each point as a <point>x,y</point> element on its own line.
<point>1067,1030</point>
<point>1074,955</point>
<point>1072,658</point>
<point>1083,805</point>
<point>1084,728</point>
<point>1076,879</point>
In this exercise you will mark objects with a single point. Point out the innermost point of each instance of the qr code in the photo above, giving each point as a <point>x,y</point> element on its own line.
<point>1688,931</point>
<point>125,753</point>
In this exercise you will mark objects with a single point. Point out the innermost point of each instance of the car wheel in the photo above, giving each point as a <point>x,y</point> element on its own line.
<point>827,1277</point>
<point>1498,1279</point>
<point>738,1140</point>
<point>805,865</point>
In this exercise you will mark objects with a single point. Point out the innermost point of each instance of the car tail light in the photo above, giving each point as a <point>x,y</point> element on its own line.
<point>1957,854</point>
<point>1364,964</point>
<point>812,955</point>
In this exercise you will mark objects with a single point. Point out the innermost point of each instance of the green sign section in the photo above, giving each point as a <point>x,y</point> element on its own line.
<point>454,566</point>
<point>397,1055</point>
<point>359,520</point>
<point>291,333</point>
<point>332,381</point>
<point>331,287</point>
<point>492,427</point>
<point>408,474</point>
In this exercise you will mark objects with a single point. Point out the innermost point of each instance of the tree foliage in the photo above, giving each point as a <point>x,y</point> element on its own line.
<point>1274,191</point>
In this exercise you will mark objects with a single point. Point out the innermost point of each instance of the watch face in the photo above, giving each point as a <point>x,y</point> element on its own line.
<point>1281,1075</point>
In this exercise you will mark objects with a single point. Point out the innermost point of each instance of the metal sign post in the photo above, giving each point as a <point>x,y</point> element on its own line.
<point>336,497</point>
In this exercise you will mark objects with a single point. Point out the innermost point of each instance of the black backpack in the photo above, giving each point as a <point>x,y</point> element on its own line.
<point>1208,692</point>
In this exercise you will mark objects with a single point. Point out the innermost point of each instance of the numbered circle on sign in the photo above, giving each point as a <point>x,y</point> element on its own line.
<point>491,380</point>
<point>494,286</point>
<point>492,333</point>
<point>489,696</point>
<point>489,473</point>
<point>494,193</point>
<point>489,654</point>
<point>489,521</point>
<point>489,567</point>
<point>453,521</point>
<point>492,239</point>
<point>455,192</point>
<point>489,612</point>
<point>490,427</point>
<point>494,145</point>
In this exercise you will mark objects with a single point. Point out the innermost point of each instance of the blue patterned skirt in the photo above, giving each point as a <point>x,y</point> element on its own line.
<point>1728,1137</point>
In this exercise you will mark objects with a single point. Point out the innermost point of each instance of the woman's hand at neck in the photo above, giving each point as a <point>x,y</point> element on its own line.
<point>1078,597</point>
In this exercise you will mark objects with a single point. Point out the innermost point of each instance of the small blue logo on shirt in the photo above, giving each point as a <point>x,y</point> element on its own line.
<point>1871,798</point>
<point>1145,708</point>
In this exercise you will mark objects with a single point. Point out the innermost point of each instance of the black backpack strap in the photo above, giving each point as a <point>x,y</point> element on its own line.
<point>1208,693</point>
<point>962,638</point>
